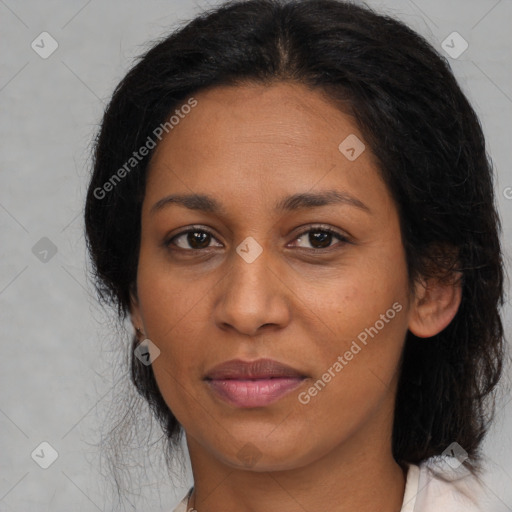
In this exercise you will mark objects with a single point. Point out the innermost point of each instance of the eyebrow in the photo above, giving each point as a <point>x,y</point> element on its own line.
<point>205,203</point>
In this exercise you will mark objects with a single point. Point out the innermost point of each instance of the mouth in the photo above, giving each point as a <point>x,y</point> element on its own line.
<point>253,383</point>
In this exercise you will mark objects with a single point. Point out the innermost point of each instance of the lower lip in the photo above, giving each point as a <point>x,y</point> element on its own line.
<point>253,393</point>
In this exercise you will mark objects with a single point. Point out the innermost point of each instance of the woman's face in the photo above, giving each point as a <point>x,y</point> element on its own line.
<point>259,279</point>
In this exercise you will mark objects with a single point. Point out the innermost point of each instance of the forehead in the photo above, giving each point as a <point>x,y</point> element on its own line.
<point>262,139</point>
<point>268,115</point>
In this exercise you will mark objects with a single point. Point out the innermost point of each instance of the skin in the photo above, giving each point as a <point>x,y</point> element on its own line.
<point>248,147</point>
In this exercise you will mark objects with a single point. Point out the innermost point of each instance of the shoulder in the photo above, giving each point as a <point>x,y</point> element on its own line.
<point>441,483</point>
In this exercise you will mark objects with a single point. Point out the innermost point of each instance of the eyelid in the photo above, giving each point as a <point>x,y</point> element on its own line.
<point>168,240</point>
<point>343,238</point>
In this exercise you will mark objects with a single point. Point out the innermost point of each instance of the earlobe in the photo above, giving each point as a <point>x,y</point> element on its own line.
<point>435,304</point>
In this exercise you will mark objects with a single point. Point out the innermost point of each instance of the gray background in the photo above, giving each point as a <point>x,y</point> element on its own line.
<point>60,354</point>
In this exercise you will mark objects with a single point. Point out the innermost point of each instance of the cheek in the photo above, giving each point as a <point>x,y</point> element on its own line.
<point>356,363</point>
<point>361,317</point>
<point>165,296</point>
<point>170,308</point>
<point>171,312</point>
<point>355,297</point>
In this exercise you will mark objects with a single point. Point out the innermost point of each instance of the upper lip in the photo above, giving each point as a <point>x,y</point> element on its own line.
<point>258,369</point>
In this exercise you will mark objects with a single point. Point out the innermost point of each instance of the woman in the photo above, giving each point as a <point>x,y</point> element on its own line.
<point>292,202</point>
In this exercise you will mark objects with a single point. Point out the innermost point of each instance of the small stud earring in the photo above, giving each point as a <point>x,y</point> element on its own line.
<point>139,330</point>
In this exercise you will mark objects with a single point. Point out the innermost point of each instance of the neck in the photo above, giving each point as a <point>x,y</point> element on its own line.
<point>360,475</point>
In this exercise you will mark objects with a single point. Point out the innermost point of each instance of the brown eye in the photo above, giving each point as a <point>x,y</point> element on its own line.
<point>320,238</point>
<point>198,239</point>
<point>192,239</point>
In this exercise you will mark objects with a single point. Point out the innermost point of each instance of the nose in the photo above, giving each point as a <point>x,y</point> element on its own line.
<point>252,297</point>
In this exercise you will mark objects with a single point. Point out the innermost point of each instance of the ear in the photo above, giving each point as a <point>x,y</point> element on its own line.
<point>135,313</point>
<point>434,305</point>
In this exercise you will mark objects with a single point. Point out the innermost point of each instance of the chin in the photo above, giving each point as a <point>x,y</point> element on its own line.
<point>258,454</point>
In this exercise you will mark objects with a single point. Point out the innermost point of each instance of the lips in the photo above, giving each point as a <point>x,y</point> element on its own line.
<point>259,369</point>
<point>252,383</point>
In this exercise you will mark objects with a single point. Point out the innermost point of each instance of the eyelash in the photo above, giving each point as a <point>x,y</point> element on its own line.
<point>322,229</point>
